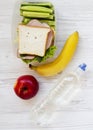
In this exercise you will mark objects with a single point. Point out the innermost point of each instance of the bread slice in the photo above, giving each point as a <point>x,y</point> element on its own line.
<point>33,40</point>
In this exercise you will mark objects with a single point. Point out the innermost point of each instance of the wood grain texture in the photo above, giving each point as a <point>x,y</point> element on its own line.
<point>78,115</point>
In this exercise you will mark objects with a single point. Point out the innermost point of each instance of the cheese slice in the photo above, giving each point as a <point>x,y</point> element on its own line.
<point>33,40</point>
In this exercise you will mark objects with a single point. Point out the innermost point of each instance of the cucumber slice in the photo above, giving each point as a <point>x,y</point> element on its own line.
<point>37,15</point>
<point>45,4</point>
<point>36,9</point>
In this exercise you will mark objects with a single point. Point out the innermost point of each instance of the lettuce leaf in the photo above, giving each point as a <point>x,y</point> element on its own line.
<point>49,53</point>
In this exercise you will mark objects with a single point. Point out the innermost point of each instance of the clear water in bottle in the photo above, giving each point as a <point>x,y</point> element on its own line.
<point>63,92</point>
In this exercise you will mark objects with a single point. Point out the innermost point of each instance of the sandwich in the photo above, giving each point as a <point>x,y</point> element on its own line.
<point>36,41</point>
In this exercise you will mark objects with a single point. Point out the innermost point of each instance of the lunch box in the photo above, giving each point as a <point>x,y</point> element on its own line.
<point>16,20</point>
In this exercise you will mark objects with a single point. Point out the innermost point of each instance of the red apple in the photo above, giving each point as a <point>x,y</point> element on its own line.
<point>26,87</point>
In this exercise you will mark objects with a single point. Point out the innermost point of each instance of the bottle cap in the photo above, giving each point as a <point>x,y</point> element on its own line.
<point>83,66</point>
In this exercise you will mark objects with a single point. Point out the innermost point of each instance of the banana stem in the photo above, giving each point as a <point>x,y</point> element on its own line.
<point>32,67</point>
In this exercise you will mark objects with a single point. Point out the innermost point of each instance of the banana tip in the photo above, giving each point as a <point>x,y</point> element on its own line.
<point>77,32</point>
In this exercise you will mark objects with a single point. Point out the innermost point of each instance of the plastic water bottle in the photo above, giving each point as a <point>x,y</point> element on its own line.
<point>63,92</point>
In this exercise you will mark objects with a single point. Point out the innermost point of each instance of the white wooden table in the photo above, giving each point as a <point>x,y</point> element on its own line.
<point>78,115</point>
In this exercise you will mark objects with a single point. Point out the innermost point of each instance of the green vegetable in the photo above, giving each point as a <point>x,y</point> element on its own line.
<point>21,12</point>
<point>37,15</point>
<point>26,20</point>
<point>53,27</point>
<point>49,53</point>
<point>45,4</point>
<point>49,22</point>
<point>51,17</point>
<point>36,9</point>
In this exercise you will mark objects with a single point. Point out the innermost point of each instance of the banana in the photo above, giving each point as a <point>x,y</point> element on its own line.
<point>60,63</point>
